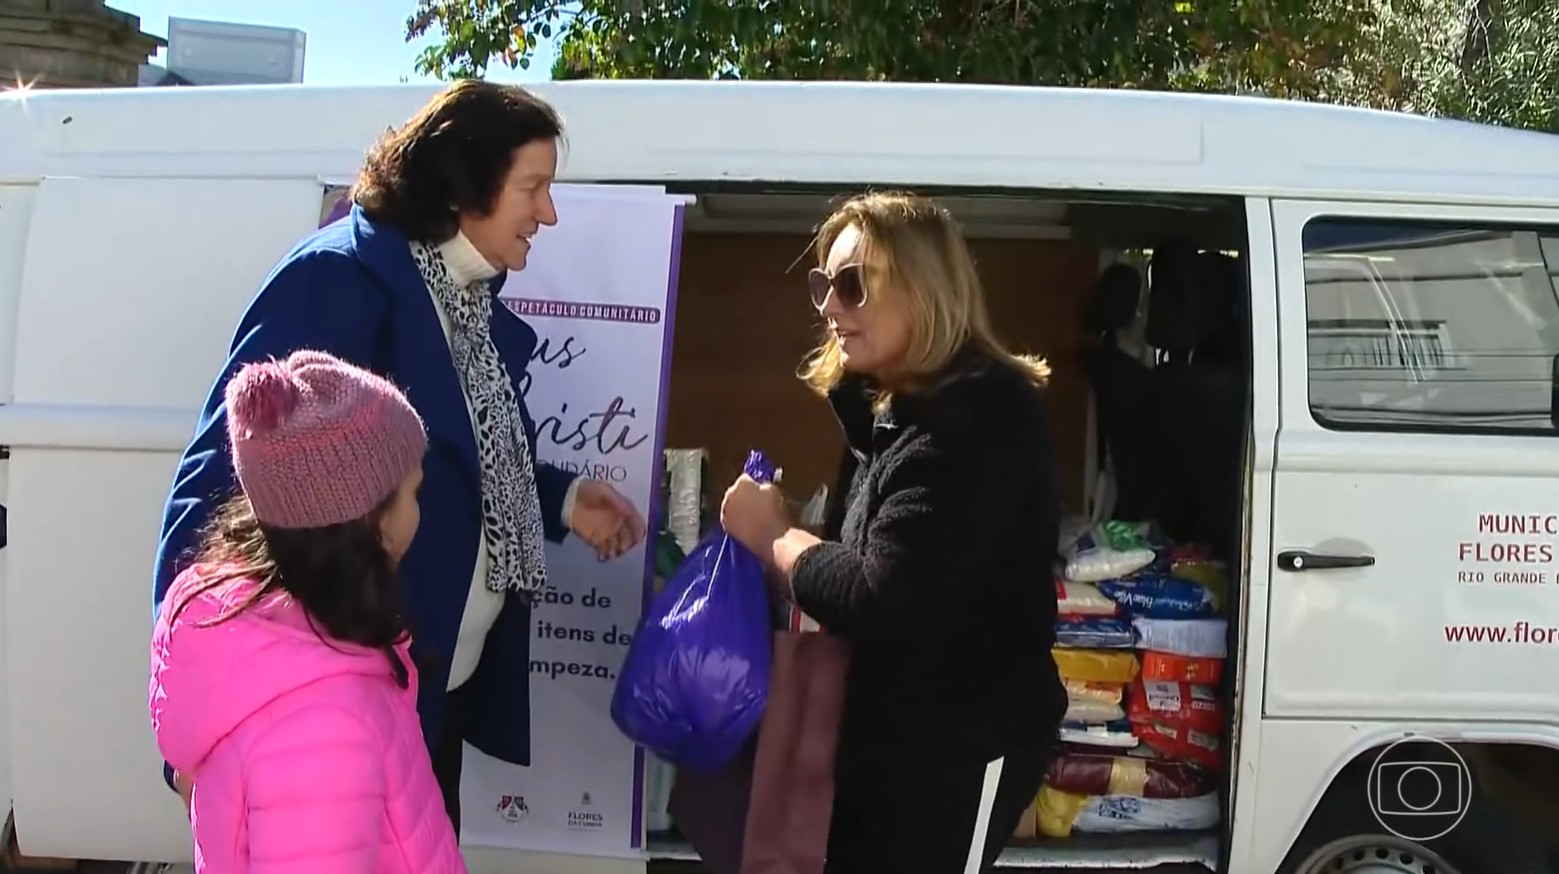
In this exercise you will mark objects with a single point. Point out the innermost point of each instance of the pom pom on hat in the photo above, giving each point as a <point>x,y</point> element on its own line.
<point>260,397</point>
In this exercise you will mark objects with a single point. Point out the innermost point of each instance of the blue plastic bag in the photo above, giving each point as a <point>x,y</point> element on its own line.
<point>693,686</point>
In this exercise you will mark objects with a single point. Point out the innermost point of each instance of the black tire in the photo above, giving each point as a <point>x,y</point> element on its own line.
<point>1485,841</point>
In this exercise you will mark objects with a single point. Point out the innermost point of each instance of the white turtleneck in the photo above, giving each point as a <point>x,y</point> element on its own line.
<point>466,266</point>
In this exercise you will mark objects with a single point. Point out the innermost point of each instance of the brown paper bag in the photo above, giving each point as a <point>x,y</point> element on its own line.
<point>710,810</point>
<point>792,798</point>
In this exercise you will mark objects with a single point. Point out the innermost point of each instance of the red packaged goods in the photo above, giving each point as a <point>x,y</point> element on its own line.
<point>1184,744</point>
<point>1168,668</point>
<point>1097,774</point>
<point>1179,705</point>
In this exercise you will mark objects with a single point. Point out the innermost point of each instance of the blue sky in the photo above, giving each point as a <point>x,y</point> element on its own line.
<point>350,42</point>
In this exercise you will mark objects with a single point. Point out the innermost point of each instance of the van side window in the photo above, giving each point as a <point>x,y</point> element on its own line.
<point>1417,326</point>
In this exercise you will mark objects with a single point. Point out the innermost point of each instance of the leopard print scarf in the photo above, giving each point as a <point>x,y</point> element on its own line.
<point>511,510</point>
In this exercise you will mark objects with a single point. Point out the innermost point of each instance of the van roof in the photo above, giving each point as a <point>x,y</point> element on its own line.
<point>816,133</point>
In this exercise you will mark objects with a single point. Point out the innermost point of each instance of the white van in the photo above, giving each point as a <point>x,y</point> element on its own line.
<point>1386,390</point>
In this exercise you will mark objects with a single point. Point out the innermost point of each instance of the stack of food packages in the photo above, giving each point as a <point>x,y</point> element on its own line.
<point>1140,644</point>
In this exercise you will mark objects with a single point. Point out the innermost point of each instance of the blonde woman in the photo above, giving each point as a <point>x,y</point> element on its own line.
<point>937,567</point>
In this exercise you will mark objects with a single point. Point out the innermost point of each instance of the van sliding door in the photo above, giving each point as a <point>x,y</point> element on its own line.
<point>1415,520</point>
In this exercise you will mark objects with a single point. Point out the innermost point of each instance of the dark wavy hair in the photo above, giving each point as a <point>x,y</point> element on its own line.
<point>340,574</point>
<point>451,157</point>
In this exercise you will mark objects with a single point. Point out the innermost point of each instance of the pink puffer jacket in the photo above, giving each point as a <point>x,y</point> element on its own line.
<point>307,756</point>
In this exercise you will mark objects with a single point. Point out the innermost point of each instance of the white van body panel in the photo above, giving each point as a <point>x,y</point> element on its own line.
<point>154,214</point>
<point>16,214</point>
<point>103,257</point>
<point>1246,843</point>
<point>1290,783</point>
<point>111,370</point>
<point>982,136</point>
<point>1359,658</point>
<point>6,712</point>
<point>16,220</point>
<point>1375,642</point>
<point>80,672</point>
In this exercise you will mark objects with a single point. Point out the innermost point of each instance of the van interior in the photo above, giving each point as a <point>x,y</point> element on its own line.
<point>1139,304</point>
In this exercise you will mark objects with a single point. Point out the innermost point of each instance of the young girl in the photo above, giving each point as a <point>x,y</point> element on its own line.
<point>280,675</point>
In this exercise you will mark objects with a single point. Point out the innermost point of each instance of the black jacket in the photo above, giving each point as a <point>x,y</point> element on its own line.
<point>939,567</point>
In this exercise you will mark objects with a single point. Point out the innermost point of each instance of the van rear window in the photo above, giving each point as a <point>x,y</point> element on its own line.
<point>1432,327</point>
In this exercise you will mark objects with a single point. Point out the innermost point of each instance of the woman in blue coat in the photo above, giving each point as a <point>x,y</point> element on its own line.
<point>406,285</point>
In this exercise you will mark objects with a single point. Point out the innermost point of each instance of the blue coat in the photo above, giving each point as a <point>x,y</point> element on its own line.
<point>351,289</point>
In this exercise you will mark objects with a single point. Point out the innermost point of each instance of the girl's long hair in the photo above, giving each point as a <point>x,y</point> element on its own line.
<point>339,574</point>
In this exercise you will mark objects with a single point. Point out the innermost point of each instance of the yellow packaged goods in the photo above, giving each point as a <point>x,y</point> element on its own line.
<point>1206,573</point>
<point>1096,665</point>
<point>1057,811</point>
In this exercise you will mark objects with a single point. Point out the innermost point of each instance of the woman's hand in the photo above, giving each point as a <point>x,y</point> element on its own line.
<point>756,515</point>
<point>605,519</point>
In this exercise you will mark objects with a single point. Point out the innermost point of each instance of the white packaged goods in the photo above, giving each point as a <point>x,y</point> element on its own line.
<point>1103,563</point>
<point>1197,638</point>
<point>1131,813</point>
<point>685,468</point>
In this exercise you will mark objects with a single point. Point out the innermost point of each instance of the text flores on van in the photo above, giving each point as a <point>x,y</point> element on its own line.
<point>1320,344</point>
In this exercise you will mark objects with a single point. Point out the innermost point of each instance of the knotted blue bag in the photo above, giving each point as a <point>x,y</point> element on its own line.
<point>693,686</point>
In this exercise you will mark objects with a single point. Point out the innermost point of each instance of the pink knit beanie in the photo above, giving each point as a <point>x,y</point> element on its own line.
<point>317,441</point>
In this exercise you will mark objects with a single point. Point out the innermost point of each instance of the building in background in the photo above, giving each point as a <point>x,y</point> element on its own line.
<point>71,44</point>
<point>224,53</point>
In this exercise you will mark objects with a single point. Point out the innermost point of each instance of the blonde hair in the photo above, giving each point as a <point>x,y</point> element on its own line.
<point>914,243</point>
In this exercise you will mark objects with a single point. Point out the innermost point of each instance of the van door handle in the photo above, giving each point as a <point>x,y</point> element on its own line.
<point>1298,560</point>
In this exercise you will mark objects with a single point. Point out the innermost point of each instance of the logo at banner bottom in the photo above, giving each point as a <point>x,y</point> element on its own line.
<point>512,808</point>
<point>584,818</point>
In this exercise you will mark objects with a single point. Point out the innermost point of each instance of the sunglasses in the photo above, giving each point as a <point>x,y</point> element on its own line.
<point>848,286</point>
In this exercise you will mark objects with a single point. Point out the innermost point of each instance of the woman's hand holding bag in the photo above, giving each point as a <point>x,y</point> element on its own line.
<point>693,687</point>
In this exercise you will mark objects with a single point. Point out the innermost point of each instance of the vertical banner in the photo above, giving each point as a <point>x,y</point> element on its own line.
<point>599,289</point>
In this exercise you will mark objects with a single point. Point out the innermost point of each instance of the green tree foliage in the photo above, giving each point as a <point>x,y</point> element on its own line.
<point>1487,60</point>
<point>1495,60</point>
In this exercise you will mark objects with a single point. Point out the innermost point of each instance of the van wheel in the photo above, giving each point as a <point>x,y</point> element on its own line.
<point>1374,854</point>
<point>1344,837</point>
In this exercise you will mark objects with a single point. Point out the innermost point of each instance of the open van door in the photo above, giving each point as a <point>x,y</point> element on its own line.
<point>1415,520</point>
